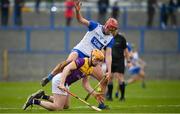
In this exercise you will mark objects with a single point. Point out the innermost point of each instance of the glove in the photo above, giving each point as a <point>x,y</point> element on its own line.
<point>44,81</point>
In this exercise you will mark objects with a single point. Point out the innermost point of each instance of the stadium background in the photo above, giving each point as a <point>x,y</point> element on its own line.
<point>44,40</point>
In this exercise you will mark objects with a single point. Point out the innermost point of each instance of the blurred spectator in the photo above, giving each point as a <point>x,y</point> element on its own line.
<point>102,7</point>
<point>18,5</point>
<point>115,10</point>
<point>69,13</point>
<point>164,15</point>
<point>151,9</point>
<point>173,12</point>
<point>37,4</point>
<point>4,12</point>
<point>178,2</point>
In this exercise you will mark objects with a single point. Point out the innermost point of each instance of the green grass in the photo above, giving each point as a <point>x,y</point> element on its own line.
<point>158,97</point>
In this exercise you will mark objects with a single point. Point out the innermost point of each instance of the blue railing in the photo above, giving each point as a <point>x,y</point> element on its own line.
<point>125,27</point>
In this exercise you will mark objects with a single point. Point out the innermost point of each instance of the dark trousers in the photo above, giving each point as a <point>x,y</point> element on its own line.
<point>4,16</point>
<point>150,16</point>
<point>18,16</point>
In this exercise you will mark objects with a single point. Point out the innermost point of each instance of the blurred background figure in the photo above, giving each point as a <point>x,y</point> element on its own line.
<point>178,2</point>
<point>151,10</point>
<point>115,10</point>
<point>173,5</point>
<point>136,68</point>
<point>37,5</point>
<point>69,13</point>
<point>163,15</point>
<point>103,6</point>
<point>4,12</point>
<point>18,5</point>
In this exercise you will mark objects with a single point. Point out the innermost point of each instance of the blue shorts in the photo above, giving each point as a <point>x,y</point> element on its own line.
<point>80,54</point>
<point>135,70</point>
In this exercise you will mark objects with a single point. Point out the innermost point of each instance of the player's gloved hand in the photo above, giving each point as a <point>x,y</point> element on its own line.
<point>99,97</point>
<point>44,81</point>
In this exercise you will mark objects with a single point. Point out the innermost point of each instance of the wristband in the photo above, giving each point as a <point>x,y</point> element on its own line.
<point>50,76</point>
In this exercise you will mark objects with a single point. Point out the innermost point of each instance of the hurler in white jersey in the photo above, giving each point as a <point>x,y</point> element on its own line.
<point>136,68</point>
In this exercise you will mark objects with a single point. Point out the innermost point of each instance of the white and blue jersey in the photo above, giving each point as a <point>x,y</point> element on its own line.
<point>129,47</point>
<point>136,67</point>
<point>93,39</point>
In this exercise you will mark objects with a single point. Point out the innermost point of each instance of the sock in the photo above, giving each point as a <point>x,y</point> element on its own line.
<point>110,89</point>
<point>122,89</point>
<point>36,101</point>
<point>50,76</point>
<point>46,97</point>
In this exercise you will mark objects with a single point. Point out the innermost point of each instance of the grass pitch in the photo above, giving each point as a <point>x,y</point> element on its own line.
<point>157,97</point>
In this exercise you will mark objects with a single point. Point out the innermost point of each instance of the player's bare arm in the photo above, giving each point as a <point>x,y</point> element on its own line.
<point>78,14</point>
<point>127,56</point>
<point>66,71</point>
<point>108,61</point>
<point>98,96</point>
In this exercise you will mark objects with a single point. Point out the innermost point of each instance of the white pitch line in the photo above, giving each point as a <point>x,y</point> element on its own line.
<point>134,106</point>
<point>164,97</point>
<point>86,107</point>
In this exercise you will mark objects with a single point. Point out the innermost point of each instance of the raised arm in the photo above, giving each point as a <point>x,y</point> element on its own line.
<point>78,14</point>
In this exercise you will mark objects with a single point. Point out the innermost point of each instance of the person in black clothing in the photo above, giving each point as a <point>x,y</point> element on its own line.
<point>173,5</point>
<point>102,10</point>
<point>18,5</point>
<point>119,52</point>
<point>4,12</point>
<point>151,9</point>
<point>115,10</point>
<point>164,15</point>
<point>37,5</point>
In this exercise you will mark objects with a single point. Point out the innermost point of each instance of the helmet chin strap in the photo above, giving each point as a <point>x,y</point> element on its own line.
<point>103,30</point>
<point>91,63</point>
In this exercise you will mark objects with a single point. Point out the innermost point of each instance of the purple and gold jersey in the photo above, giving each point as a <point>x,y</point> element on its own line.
<point>83,69</point>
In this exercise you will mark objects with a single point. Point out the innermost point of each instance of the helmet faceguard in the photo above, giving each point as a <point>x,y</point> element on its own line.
<point>97,55</point>
<point>111,25</point>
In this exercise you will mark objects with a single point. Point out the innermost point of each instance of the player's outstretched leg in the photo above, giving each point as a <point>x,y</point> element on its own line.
<point>39,94</point>
<point>55,71</point>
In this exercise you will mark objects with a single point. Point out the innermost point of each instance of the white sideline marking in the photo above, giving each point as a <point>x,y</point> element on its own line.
<point>85,107</point>
<point>134,106</point>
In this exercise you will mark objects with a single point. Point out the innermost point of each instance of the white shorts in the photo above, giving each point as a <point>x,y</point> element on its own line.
<point>55,83</point>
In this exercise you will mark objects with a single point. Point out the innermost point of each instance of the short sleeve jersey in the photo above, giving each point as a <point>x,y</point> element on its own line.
<point>119,46</point>
<point>94,39</point>
<point>83,69</point>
